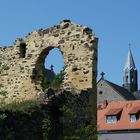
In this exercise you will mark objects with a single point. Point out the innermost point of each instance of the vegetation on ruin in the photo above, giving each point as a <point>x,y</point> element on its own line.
<point>71,109</point>
<point>72,120</point>
<point>75,125</point>
<point>56,83</point>
<point>3,93</point>
<point>24,106</point>
<point>3,67</point>
<point>46,127</point>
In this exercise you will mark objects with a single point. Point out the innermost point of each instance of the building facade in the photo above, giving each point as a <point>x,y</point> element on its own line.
<point>108,91</point>
<point>119,120</point>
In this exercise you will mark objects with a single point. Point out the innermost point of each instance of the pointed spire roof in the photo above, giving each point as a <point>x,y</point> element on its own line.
<point>130,61</point>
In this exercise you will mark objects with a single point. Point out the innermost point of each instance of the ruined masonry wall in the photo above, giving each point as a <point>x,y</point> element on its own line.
<point>22,77</point>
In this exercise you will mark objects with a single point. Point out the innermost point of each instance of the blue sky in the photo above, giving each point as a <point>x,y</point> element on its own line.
<point>115,22</point>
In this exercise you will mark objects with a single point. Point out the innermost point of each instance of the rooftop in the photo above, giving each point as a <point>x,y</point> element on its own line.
<point>119,115</point>
<point>130,61</point>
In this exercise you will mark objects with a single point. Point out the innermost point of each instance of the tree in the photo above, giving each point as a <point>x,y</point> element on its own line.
<point>56,83</point>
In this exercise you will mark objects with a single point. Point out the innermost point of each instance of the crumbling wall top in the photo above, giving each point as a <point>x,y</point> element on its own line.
<point>25,60</point>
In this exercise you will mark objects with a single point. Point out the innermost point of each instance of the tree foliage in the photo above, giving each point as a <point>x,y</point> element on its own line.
<point>46,127</point>
<point>75,125</point>
<point>56,83</point>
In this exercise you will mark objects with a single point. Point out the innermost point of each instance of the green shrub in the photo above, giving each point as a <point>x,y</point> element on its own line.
<point>46,83</point>
<point>56,83</point>
<point>87,133</point>
<point>67,111</point>
<point>9,134</point>
<point>3,92</point>
<point>3,68</point>
<point>46,127</point>
<point>22,106</point>
<point>2,117</point>
<point>57,80</point>
<point>71,138</point>
<point>73,120</point>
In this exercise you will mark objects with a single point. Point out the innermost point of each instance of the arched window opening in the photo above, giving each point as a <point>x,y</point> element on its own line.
<point>53,69</point>
<point>22,49</point>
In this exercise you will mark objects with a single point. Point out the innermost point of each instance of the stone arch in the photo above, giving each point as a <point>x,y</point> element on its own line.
<point>78,45</point>
<point>38,71</point>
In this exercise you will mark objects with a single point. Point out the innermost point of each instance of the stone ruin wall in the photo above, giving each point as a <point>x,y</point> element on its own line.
<point>23,75</point>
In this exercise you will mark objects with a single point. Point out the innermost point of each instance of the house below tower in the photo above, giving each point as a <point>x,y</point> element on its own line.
<point>108,91</point>
<point>119,120</point>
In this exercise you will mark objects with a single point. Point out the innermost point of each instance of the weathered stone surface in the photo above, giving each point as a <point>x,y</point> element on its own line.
<point>25,61</point>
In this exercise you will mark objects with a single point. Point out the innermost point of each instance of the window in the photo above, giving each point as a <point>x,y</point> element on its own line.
<point>100,92</point>
<point>133,118</point>
<point>127,79</point>
<point>22,49</point>
<point>111,119</point>
<point>132,78</point>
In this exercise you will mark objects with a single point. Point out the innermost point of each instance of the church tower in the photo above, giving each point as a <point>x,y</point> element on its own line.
<point>130,81</point>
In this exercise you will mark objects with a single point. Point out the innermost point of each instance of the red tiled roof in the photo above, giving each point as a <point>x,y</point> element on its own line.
<point>123,123</point>
<point>134,110</point>
<point>114,111</point>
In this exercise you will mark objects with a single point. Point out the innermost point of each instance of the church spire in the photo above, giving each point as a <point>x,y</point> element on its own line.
<point>130,61</point>
<point>130,74</point>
